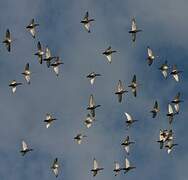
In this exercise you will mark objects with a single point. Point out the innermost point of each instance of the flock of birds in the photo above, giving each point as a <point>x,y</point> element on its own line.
<point>166,137</point>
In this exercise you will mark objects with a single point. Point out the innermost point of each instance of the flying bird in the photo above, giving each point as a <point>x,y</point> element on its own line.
<point>164,69</point>
<point>170,145</point>
<point>130,120</point>
<point>120,91</point>
<point>108,53</point>
<point>128,167</point>
<point>134,86</point>
<point>55,167</point>
<point>39,52</point>
<point>170,113</point>
<point>150,57</point>
<point>92,76</point>
<point>155,110</point>
<point>31,28</point>
<point>88,121</point>
<point>25,149</point>
<point>87,22</point>
<point>134,30</point>
<point>13,85</point>
<point>7,41</point>
<point>79,137</point>
<point>48,57</point>
<point>56,65</point>
<point>126,143</point>
<point>92,105</point>
<point>117,168</point>
<point>175,73</point>
<point>49,120</point>
<point>27,73</point>
<point>96,167</point>
<point>176,101</point>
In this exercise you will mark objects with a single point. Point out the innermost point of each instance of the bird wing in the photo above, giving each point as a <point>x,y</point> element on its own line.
<point>109,58</point>
<point>127,163</point>
<point>119,86</point>
<point>86,16</point>
<point>24,146</point>
<point>133,25</point>
<point>39,46</point>
<point>177,107</point>
<point>8,34</point>
<point>92,80</point>
<point>48,53</point>
<point>33,32</point>
<point>127,149</point>
<point>48,116</point>
<point>56,70</point>
<point>176,77</point>
<point>117,166</point>
<point>170,110</point>
<point>150,53</point>
<point>14,89</point>
<point>95,164</point>
<point>91,101</point>
<point>119,97</point>
<point>87,26</point>
<point>129,118</point>
<point>28,78</point>
<point>27,67</point>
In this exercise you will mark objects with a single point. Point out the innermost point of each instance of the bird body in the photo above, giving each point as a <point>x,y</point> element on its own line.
<point>108,53</point>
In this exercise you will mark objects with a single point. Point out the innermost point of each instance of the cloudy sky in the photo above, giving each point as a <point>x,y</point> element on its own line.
<point>66,97</point>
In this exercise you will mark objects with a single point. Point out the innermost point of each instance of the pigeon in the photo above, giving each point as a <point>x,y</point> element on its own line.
<point>130,120</point>
<point>134,30</point>
<point>48,57</point>
<point>175,73</point>
<point>134,86</point>
<point>27,73</point>
<point>120,91</point>
<point>78,138</point>
<point>86,22</point>
<point>88,121</point>
<point>56,65</point>
<point>92,77</point>
<point>39,52</point>
<point>128,167</point>
<point>96,168</point>
<point>25,149</point>
<point>108,53</point>
<point>155,110</point>
<point>31,27</point>
<point>170,113</point>
<point>55,167</point>
<point>117,168</point>
<point>126,143</point>
<point>176,101</point>
<point>13,85</point>
<point>49,119</point>
<point>170,145</point>
<point>92,105</point>
<point>164,69</point>
<point>150,57</point>
<point>7,41</point>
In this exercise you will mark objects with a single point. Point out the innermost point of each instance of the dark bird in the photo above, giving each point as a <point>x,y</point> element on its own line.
<point>126,143</point>
<point>49,120</point>
<point>155,110</point>
<point>48,57</point>
<point>7,41</point>
<point>150,57</point>
<point>130,120</point>
<point>128,167</point>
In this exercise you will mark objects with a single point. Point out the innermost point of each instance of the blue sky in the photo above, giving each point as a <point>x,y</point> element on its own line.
<point>66,97</point>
